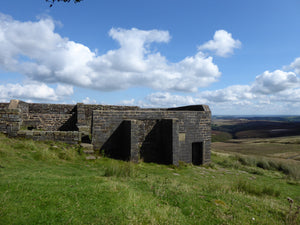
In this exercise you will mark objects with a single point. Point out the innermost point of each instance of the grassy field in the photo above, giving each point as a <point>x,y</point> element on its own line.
<point>282,147</point>
<point>51,183</point>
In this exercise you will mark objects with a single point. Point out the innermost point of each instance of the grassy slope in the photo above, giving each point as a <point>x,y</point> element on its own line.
<point>283,147</point>
<point>51,184</point>
<point>251,127</point>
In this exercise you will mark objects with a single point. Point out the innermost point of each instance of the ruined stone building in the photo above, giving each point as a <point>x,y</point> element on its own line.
<point>123,132</point>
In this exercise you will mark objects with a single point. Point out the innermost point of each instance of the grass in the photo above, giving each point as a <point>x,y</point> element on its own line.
<point>283,147</point>
<point>249,188</point>
<point>290,168</point>
<point>51,183</point>
<point>220,136</point>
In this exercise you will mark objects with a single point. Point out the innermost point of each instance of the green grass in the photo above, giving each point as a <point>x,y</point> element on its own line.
<point>220,136</point>
<point>51,183</point>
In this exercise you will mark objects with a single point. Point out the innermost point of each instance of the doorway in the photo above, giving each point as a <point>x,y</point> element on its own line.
<point>197,153</point>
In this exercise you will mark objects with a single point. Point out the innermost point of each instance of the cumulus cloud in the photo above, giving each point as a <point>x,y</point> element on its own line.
<point>276,81</point>
<point>233,93</point>
<point>295,65</point>
<point>35,91</point>
<point>222,44</point>
<point>271,92</point>
<point>166,99</point>
<point>35,50</point>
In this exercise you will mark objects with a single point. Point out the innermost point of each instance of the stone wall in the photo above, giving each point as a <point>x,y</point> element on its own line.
<point>10,120</point>
<point>159,144</point>
<point>50,108</point>
<point>49,122</point>
<point>70,137</point>
<point>123,132</point>
<point>48,117</point>
<point>193,127</point>
<point>4,105</point>
<point>85,113</point>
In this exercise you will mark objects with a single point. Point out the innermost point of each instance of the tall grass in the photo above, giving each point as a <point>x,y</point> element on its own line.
<point>119,169</point>
<point>250,188</point>
<point>36,150</point>
<point>290,168</point>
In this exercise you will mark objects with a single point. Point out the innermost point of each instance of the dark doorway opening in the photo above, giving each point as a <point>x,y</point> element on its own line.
<point>118,144</point>
<point>197,153</point>
<point>157,146</point>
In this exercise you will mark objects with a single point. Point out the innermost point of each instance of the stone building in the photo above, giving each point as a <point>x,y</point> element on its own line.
<point>123,132</point>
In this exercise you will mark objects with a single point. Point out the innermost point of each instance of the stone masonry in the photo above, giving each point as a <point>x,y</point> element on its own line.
<point>165,136</point>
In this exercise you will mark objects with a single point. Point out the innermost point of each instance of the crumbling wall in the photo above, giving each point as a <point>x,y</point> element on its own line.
<point>48,117</point>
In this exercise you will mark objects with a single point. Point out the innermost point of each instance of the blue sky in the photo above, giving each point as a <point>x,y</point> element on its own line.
<point>239,57</point>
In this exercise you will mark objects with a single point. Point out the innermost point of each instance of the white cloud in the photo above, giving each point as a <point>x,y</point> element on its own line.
<point>223,44</point>
<point>289,95</point>
<point>295,65</point>
<point>130,102</point>
<point>87,100</point>
<point>235,93</point>
<point>35,50</point>
<point>35,91</point>
<point>273,82</point>
<point>165,100</point>
<point>276,92</point>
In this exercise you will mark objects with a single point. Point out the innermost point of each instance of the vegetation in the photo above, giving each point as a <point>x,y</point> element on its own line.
<point>256,127</point>
<point>220,136</point>
<point>281,148</point>
<point>51,183</point>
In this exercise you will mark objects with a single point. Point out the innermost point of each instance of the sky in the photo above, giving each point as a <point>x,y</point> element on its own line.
<point>238,57</point>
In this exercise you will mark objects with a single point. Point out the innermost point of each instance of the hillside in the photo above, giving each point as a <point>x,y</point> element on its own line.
<point>239,127</point>
<point>51,183</point>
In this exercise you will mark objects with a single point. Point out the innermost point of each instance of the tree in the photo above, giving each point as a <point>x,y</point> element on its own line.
<point>53,1</point>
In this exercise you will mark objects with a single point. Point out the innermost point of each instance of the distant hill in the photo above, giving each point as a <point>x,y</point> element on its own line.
<point>288,118</point>
<point>256,126</point>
